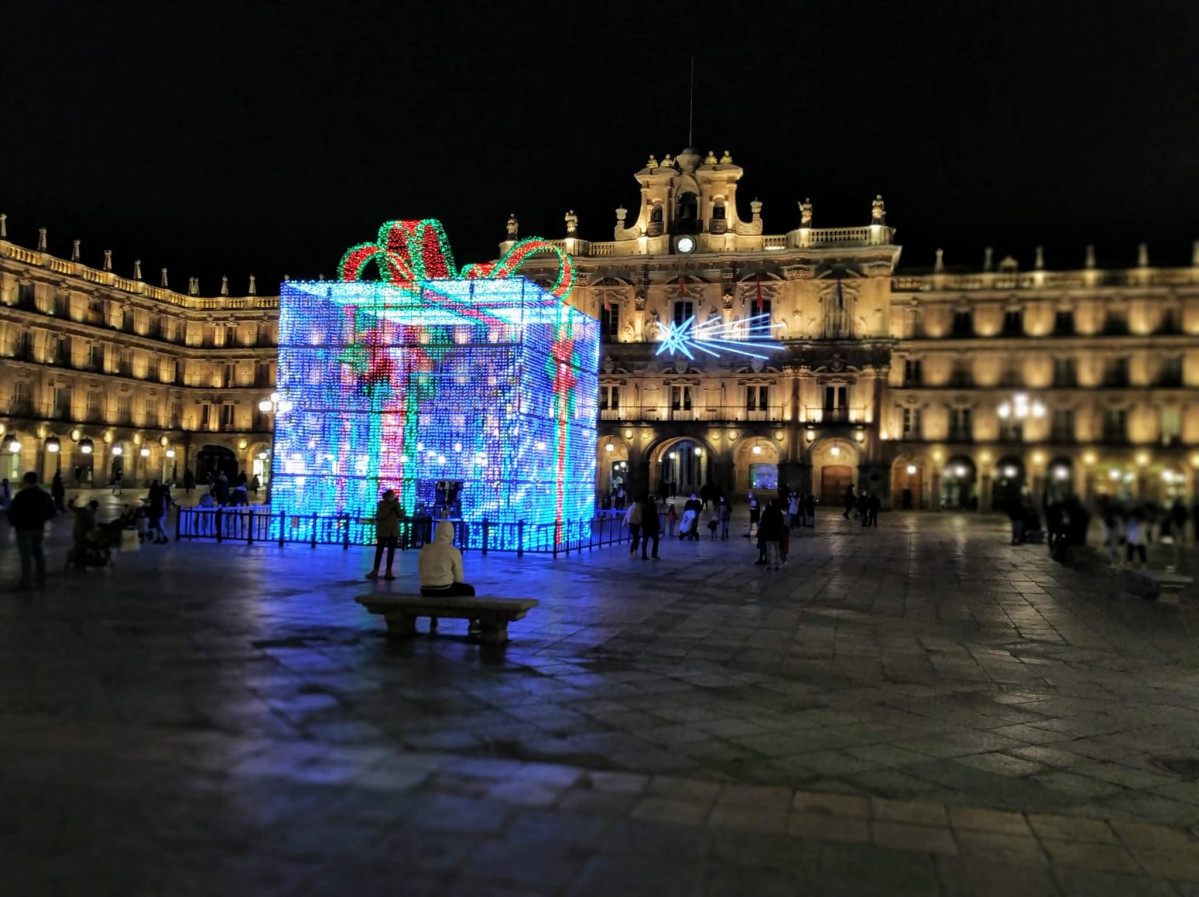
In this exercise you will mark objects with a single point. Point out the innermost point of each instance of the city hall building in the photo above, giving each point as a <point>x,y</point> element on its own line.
<point>944,389</point>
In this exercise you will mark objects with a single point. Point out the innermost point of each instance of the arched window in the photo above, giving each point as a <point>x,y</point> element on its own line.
<point>718,224</point>
<point>683,309</point>
<point>688,214</point>
<point>655,221</point>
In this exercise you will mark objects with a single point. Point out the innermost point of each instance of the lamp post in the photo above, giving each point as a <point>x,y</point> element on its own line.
<point>273,406</point>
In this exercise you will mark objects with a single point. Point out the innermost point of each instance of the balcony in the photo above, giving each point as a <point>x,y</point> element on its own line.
<point>711,413</point>
<point>821,415</point>
<point>1062,435</point>
<point>960,434</point>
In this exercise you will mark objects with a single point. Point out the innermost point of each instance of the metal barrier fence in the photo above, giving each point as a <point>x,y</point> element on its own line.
<point>248,525</point>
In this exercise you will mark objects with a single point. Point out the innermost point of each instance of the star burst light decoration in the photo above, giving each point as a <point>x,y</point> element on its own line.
<point>715,336</point>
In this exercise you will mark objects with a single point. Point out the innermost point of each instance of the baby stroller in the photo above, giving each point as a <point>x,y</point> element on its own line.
<point>95,550</point>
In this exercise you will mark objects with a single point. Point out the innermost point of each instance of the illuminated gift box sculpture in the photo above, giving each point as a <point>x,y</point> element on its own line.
<point>470,393</point>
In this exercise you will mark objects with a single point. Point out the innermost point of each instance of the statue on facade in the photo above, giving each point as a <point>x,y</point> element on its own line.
<point>878,211</point>
<point>572,224</point>
<point>224,285</point>
<point>652,163</point>
<point>668,162</point>
<point>137,269</point>
<point>74,250</point>
<point>513,226</point>
<point>107,259</point>
<point>710,159</point>
<point>165,282</point>
<point>253,286</point>
<point>805,213</point>
<point>727,158</point>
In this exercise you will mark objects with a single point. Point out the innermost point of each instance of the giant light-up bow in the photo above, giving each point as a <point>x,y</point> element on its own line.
<point>408,253</point>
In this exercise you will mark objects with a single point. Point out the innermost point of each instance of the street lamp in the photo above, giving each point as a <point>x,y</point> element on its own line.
<point>276,404</point>
<point>1020,408</point>
<point>12,444</point>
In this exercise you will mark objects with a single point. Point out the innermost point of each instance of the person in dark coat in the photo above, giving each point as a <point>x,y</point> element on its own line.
<point>771,530</point>
<point>189,481</point>
<point>810,510</point>
<point>851,501</point>
<point>651,526</point>
<point>691,523</point>
<point>28,512</point>
<point>58,491</point>
<point>873,505</point>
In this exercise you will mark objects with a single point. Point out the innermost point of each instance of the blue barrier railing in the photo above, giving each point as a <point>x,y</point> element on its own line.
<point>248,525</point>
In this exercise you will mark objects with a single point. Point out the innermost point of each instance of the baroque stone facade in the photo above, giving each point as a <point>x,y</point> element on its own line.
<point>938,389</point>
<point>99,372</point>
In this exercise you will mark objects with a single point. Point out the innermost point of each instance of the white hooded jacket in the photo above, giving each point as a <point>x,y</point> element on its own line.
<point>440,563</point>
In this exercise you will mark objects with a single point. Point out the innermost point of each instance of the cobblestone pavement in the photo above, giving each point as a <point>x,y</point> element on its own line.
<point>917,710</point>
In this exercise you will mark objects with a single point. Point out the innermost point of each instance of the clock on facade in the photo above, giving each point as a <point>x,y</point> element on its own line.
<point>685,244</point>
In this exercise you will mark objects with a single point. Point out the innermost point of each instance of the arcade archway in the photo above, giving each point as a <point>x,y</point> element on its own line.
<point>679,467</point>
<point>834,469</point>
<point>959,485</point>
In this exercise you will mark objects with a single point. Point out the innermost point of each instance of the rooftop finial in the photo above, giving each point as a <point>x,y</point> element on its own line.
<point>165,283</point>
<point>513,226</point>
<point>74,250</point>
<point>253,287</point>
<point>1090,257</point>
<point>572,224</point>
<point>805,213</point>
<point>878,210</point>
<point>1142,255</point>
<point>137,269</point>
<point>1195,253</point>
<point>41,239</point>
<point>1039,261</point>
<point>988,258</point>
<point>193,286</point>
<point>939,266</point>
<point>107,259</point>
<point>224,285</point>
<point>3,226</point>
<point>691,104</point>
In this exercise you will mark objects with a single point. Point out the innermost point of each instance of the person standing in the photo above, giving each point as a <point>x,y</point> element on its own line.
<point>672,519</point>
<point>222,490</point>
<point>117,476</point>
<point>810,510</point>
<point>873,506</point>
<point>58,491</point>
<point>851,501</point>
<point>726,514</point>
<point>387,532</point>
<point>632,517</point>
<point>189,480</point>
<point>755,514</point>
<point>793,510</point>
<point>771,530</point>
<point>28,512</point>
<point>651,526</point>
<point>155,508</point>
<point>255,485</point>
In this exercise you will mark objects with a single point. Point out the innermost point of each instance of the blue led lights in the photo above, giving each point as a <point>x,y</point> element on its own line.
<point>476,398</point>
<point>715,336</point>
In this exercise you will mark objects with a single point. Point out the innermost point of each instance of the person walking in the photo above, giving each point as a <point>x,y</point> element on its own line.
<point>771,530</point>
<point>632,517</point>
<point>221,488</point>
<point>387,532</point>
<point>851,501</point>
<point>755,515</point>
<point>255,485</point>
<point>672,519</point>
<point>1134,550</point>
<point>691,512</point>
<point>863,500</point>
<point>1178,516</point>
<point>810,510</point>
<point>28,512</point>
<point>58,491</point>
<point>873,505</point>
<point>117,476</point>
<point>189,480</point>
<point>155,509</point>
<point>651,526</point>
<point>440,565</point>
<point>726,514</point>
<point>793,511</point>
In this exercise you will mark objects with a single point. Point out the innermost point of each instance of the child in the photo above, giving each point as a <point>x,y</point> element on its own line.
<point>712,527</point>
<point>672,517</point>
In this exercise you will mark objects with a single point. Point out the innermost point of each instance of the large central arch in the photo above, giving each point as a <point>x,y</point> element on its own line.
<point>679,466</point>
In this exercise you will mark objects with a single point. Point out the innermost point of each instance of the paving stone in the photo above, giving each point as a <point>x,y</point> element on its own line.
<point>1104,857</point>
<point>926,839</point>
<point>1066,828</point>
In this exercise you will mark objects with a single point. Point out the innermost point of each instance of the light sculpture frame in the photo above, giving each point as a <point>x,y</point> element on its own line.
<point>473,378</point>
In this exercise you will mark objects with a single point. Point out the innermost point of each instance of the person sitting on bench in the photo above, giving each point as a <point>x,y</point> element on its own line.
<point>440,565</point>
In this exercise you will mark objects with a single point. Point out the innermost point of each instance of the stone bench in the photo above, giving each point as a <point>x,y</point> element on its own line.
<point>492,614</point>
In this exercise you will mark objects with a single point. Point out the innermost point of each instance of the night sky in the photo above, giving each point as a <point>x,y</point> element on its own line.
<point>230,138</point>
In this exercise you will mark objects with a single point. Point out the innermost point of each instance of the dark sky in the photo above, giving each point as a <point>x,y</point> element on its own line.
<point>239,137</point>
